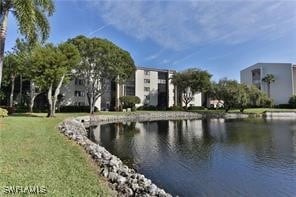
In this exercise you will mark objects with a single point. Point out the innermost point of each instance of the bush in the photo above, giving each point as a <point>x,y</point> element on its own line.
<point>176,108</point>
<point>3,112</point>
<point>72,108</point>
<point>129,101</point>
<point>196,108</point>
<point>292,101</point>
<point>21,109</point>
<point>285,106</point>
<point>147,107</point>
<point>10,110</point>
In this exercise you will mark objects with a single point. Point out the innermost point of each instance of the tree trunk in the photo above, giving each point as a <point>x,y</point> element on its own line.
<point>31,104</point>
<point>20,97</point>
<point>11,91</point>
<point>32,97</point>
<point>3,29</point>
<point>91,104</point>
<point>186,105</point>
<point>268,90</point>
<point>55,97</point>
<point>49,98</point>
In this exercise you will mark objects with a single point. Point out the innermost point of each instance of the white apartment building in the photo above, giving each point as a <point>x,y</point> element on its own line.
<point>285,79</point>
<point>152,86</point>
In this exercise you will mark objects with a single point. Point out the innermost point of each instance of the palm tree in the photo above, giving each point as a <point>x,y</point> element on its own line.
<point>31,16</point>
<point>268,79</point>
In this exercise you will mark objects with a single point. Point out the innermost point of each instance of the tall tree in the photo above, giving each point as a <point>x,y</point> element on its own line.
<point>190,82</point>
<point>235,95</point>
<point>50,68</point>
<point>268,79</point>
<point>12,69</point>
<point>102,62</point>
<point>31,17</point>
<point>23,50</point>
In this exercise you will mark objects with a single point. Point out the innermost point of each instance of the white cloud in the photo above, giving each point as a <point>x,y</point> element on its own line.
<point>178,25</point>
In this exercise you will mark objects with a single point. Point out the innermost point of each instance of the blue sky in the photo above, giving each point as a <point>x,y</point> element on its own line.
<point>220,36</point>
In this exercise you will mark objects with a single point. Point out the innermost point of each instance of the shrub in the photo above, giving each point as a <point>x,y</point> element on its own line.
<point>196,108</point>
<point>3,112</point>
<point>176,108</point>
<point>129,101</point>
<point>10,110</point>
<point>285,106</point>
<point>147,107</point>
<point>72,108</point>
<point>292,101</point>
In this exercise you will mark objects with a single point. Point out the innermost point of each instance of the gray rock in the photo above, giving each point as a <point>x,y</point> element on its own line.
<point>105,172</point>
<point>112,176</point>
<point>152,189</point>
<point>121,179</point>
<point>125,180</point>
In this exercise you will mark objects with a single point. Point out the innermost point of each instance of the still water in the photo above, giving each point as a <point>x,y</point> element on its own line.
<point>214,157</point>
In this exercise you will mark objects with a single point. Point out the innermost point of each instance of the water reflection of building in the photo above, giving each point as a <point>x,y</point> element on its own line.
<point>217,129</point>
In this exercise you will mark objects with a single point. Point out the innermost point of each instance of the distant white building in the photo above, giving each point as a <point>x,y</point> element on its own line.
<point>285,79</point>
<point>152,86</point>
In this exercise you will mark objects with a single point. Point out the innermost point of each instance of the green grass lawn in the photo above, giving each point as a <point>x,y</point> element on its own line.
<point>33,152</point>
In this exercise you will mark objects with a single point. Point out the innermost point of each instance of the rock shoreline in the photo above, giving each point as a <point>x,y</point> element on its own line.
<point>138,117</point>
<point>280,115</point>
<point>124,180</point>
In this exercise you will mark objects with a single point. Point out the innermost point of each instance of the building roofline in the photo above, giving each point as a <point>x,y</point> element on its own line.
<point>154,69</point>
<point>266,63</point>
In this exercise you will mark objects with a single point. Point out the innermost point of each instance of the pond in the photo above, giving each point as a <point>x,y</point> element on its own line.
<point>213,157</point>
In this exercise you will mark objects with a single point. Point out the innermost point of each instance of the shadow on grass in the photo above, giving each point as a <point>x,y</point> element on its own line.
<point>26,115</point>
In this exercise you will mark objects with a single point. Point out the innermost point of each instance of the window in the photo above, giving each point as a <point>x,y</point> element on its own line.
<point>146,89</point>
<point>146,72</point>
<point>79,93</point>
<point>129,91</point>
<point>161,81</point>
<point>147,99</point>
<point>146,80</point>
<point>79,104</point>
<point>79,81</point>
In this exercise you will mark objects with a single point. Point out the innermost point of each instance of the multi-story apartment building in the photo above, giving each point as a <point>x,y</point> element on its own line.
<point>284,85</point>
<point>152,86</point>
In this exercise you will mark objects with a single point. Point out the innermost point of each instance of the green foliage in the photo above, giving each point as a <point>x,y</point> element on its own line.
<point>191,81</point>
<point>70,109</point>
<point>292,101</point>
<point>269,78</point>
<point>50,63</point>
<point>31,16</point>
<point>129,101</point>
<point>102,61</point>
<point>10,110</point>
<point>239,96</point>
<point>196,108</point>
<point>12,67</point>
<point>176,108</point>
<point>195,79</point>
<point>2,95</point>
<point>3,113</point>
<point>148,107</point>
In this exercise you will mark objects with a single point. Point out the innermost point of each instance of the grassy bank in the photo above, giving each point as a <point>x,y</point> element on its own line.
<point>33,152</point>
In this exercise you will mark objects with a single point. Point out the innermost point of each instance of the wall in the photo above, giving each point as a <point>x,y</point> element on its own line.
<point>171,90</point>
<point>139,78</point>
<point>281,90</point>
<point>68,90</point>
